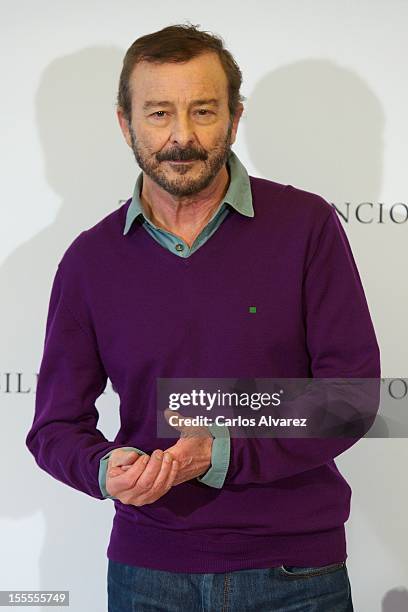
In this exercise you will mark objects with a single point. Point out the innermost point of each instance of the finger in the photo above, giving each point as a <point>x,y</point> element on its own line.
<point>115,471</point>
<point>127,480</point>
<point>136,468</point>
<point>153,467</point>
<point>162,477</point>
<point>161,486</point>
<point>123,458</point>
<point>120,456</point>
<point>173,473</point>
<point>178,451</point>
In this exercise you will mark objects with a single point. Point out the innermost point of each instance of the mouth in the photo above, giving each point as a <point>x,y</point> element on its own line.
<point>186,161</point>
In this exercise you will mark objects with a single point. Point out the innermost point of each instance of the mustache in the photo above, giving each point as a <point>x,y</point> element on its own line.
<point>181,155</point>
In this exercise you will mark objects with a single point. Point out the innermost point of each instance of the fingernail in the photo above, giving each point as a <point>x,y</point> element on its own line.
<point>167,457</point>
<point>158,454</point>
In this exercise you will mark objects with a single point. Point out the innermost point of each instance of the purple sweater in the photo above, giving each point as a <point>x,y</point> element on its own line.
<point>125,308</point>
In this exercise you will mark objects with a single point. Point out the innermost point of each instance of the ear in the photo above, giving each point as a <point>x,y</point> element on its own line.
<point>235,122</point>
<point>124,125</point>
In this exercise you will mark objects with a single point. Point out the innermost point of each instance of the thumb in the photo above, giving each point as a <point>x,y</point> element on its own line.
<point>176,420</point>
<point>122,457</point>
<point>187,431</point>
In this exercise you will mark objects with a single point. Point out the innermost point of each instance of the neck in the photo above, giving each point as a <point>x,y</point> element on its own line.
<point>184,216</point>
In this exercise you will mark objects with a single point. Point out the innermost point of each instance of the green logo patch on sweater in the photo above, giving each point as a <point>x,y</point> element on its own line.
<point>252,309</point>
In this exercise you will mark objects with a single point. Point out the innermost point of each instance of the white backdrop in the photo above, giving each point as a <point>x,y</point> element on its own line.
<point>327,93</point>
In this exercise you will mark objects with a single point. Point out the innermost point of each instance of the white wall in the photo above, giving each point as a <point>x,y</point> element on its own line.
<point>326,92</point>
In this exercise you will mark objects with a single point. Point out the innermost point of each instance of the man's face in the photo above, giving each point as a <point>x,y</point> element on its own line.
<point>181,130</point>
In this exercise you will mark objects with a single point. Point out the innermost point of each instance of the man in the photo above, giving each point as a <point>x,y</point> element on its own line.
<point>165,287</point>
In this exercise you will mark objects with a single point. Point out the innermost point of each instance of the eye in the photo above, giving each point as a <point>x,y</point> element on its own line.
<point>159,114</point>
<point>203,112</point>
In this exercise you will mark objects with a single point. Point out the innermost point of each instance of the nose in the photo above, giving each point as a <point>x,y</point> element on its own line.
<point>182,133</point>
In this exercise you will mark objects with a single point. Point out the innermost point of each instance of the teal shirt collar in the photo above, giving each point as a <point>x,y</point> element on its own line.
<point>238,195</point>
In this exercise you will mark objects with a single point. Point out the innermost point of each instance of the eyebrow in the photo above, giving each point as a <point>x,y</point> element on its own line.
<point>154,103</point>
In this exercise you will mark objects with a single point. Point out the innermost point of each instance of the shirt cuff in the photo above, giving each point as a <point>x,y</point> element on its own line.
<point>220,457</point>
<point>103,466</point>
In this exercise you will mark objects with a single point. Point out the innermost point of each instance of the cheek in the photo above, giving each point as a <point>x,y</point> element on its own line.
<point>150,140</point>
<point>210,139</point>
<point>207,139</point>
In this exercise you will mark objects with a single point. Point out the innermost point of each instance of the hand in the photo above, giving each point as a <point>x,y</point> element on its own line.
<point>193,449</point>
<point>143,479</point>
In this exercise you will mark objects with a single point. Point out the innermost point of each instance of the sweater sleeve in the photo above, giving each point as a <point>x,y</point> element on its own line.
<point>340,341</point>
<point>64,438</point>
<point>220,456</point>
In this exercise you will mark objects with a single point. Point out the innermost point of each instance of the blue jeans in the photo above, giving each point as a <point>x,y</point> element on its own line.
<point>275,589</point>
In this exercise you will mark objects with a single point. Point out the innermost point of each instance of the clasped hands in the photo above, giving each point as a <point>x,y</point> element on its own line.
<point>142,479</point>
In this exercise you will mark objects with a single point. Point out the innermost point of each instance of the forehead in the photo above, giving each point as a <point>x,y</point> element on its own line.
<point>200,77</point>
